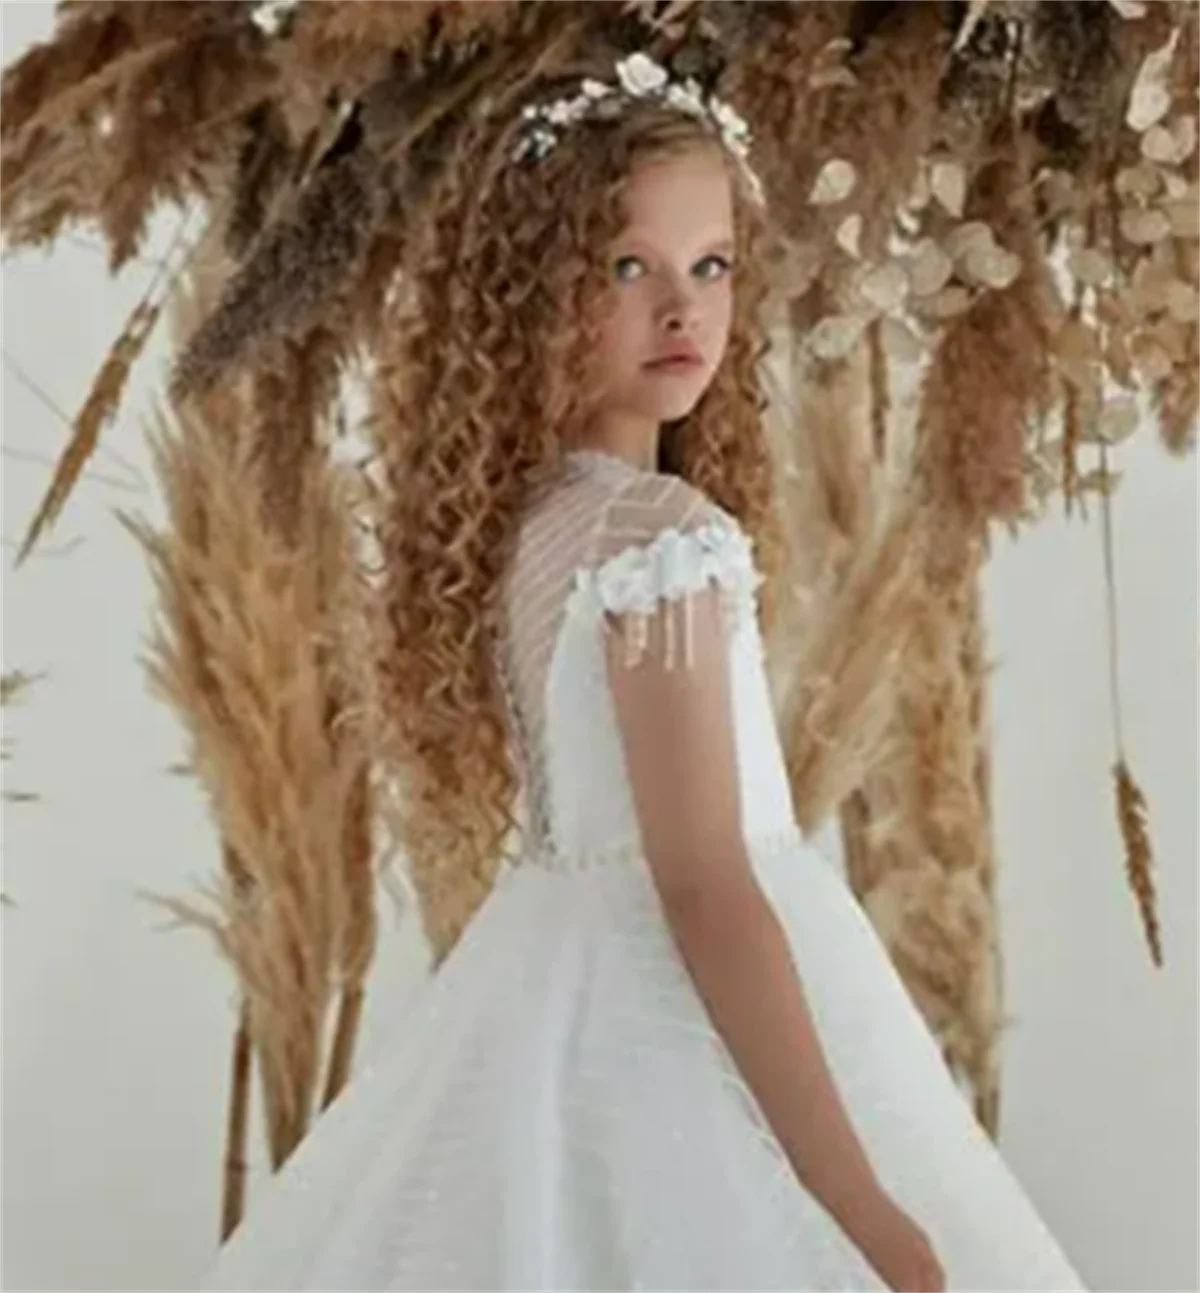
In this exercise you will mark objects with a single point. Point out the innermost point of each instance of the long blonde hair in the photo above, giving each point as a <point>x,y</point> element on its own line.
<point>480,396</point>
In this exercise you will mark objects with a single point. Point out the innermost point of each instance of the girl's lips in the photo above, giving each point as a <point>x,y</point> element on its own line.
<point>674,364</point>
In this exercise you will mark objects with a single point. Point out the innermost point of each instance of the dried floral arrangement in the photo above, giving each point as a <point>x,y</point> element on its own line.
<point>984,277</point>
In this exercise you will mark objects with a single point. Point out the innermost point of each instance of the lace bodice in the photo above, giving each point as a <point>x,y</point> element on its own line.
<point>607,540</point>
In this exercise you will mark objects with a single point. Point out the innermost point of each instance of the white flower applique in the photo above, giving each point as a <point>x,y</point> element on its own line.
<point>636,582</point>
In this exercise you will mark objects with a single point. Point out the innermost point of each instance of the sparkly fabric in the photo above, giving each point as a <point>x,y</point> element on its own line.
<point>557,1110</point>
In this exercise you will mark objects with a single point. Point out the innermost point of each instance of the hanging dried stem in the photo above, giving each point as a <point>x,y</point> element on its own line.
<point>103,399</point>
<point>1139,860</point>
<point>1131,803</point>
<point>233,1194</point>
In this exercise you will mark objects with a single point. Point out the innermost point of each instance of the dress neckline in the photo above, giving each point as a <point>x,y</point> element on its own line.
<point>608,465</point>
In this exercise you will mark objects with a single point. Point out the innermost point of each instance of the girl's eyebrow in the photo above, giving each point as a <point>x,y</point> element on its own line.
<point>719,243</point>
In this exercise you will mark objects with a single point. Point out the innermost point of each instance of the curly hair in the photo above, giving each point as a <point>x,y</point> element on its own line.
<point>481,389</point>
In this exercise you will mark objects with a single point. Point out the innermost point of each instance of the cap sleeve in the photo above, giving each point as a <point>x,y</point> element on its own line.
<point>662,554</point>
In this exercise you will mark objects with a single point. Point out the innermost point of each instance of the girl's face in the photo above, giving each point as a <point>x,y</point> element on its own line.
<point>670,300</point>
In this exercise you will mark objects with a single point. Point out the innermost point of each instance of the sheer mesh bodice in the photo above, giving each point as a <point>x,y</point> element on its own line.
<point>604,539</point>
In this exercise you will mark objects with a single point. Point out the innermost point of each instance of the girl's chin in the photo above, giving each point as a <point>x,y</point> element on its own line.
<point>669,401</point>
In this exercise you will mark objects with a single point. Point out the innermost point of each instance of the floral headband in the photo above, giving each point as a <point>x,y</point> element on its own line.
<point>639,78</point>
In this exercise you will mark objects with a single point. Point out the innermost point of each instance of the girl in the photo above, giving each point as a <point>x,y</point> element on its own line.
<point>669,1051</point>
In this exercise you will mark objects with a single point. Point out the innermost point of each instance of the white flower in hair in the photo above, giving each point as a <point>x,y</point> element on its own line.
<point>733,127</point>
<point>641,76</point>
<point>687,98</point>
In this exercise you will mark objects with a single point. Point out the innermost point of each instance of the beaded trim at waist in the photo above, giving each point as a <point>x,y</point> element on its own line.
<point>761,845</point>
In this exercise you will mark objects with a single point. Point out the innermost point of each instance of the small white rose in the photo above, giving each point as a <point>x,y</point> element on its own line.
<point>733,126</point>
<point>679,98</point>
<point>640,75</point>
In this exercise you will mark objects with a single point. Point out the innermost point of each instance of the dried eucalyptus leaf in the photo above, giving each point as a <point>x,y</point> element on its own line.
<point>834,183</point>
<point>1118,420</point>
<point>1150,98</point>
<point>836,336</point>
<point>918,199</point>
<point>1183,301</point>
<point>1143,227</point>
<point>828,77</point>
<point>1184,217</point>
<point>948,180</point>
<point>1147,290</point>
<point>1141,180</point>
<point>1090,266</point>
<point>884,288</point>
<point>1149,358</point>
<point>1172,337</point>
<point>901,342</point>
<point>992,267</point>
<point>929,268</point>
<point>973,235</point>
<point>849,235</point>
<point>1170,144</point>
<point>947,303</point>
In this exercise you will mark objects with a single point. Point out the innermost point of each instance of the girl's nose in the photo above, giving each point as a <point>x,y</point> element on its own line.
<point>677,310</point>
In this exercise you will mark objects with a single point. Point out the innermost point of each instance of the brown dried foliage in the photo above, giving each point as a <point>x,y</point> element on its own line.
<point>156,118</point>
<point>297,280</point>
<point>346,47</point>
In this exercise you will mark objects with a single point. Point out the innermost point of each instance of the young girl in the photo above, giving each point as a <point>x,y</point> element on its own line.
<point>669,1050</point>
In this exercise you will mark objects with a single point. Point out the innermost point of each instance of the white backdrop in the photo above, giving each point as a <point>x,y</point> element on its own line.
<point>116,1033</point>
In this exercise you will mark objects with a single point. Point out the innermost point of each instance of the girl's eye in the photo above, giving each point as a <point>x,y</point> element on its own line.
<point>628,268</point>
<point>712,267</point>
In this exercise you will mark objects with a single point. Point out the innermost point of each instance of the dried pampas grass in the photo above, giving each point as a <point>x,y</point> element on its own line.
<point>884,718</point>
<point>249,651</point>
<point>918,835</point>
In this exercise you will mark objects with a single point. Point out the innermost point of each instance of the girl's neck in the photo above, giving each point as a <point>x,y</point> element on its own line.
<point>633,440</point>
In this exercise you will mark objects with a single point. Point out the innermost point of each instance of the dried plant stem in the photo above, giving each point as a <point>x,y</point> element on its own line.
<point>880,397</point>
<point>233,1199</point>
<point>1131,802</point>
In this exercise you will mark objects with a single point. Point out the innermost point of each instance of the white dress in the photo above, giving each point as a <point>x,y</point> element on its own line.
<point>557,1110</point>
